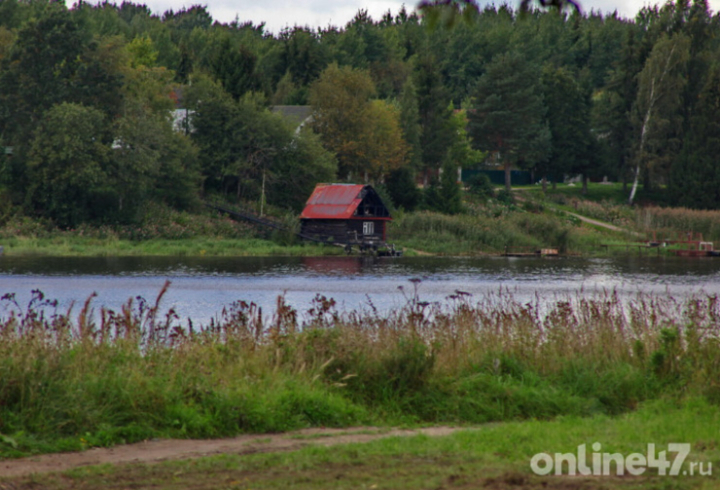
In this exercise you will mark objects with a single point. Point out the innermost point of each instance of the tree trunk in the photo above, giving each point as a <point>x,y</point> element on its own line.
<point>624,177</point>
<point>652,99</point>
<point>585,184</point>
<point>508,178</point>
<point>635,184</point>
<point>544,183</point>
<point>643,135</point>
<point>262,196</point>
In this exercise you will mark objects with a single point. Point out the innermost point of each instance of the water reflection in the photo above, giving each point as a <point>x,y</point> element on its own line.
<point>202,286</point>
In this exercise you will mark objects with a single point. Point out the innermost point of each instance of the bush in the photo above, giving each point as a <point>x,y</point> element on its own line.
<point>480,185</point>
<point>402,189</point>
<point>505,197</point>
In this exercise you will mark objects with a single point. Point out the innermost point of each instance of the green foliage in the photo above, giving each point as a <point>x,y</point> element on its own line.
<point>300,166</point>
<point>678,222</point>
<point>384,92</point>
<point>52,62</point>
<point>695,174</point>
<point>410,123</point>
<point>657,118</point>
<point>304,55</point>
<point>402,189</point>
<point>568,115</point>
<point>142,52</point>
<point>490,232</point>
<point>461,154</point>
<point>435,114</point>
<point>150,161</point>
<point>234,68</point>
<point>241,143</point>
<point>508,114</point>
<point>450,198</point>
<point>364,134</point>
<point>505,197</point>
<point>341,98</point>
<point>74,382</point>
<point>480,185</point>
<point>68,163</point>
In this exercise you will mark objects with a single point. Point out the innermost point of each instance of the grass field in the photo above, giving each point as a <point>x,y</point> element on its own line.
<point>494,456</point>
<point>63,246</point>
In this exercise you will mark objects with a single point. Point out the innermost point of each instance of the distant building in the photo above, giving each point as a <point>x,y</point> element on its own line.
<point>298,115</point>
<point>345,213</point>
<point>182,120</point>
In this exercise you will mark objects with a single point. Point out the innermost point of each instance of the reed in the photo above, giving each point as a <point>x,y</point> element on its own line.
<point>671,222</point>
<point>439,233</point>
<point>80,377</point>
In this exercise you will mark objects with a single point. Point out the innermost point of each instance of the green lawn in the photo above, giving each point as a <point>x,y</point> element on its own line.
<point>494,456</point>
<point>198,246</point>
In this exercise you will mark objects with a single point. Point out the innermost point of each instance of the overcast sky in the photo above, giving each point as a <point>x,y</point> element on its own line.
<point>278,14</point>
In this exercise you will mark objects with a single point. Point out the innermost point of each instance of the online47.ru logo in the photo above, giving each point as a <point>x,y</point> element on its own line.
<point>603,464</point>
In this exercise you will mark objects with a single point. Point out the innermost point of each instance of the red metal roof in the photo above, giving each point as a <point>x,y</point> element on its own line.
<point>333,201</point>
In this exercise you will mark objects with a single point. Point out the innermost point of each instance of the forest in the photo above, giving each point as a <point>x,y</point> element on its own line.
<point>106,109</point>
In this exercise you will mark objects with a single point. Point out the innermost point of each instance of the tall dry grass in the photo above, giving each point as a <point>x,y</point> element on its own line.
<point>670,222</point>
<point>445,234</point>
<point>74,378</point>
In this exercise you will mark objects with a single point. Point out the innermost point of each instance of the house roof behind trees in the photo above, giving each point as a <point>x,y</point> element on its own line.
<point>296,114</point>
<point>345,201</point>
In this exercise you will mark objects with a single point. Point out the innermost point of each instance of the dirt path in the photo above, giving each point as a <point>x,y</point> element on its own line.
<point>602,224</point>
<point>590,221</point>
<point>173,449</point>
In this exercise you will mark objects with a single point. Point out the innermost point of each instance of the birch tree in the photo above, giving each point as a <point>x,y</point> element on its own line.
<point>658,103</point>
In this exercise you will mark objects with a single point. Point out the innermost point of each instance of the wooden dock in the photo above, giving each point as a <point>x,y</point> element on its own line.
<point>543,252</point>
<point>692,245</point>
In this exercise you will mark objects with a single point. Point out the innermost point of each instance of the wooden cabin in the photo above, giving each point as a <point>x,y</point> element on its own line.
<point>345,213</point>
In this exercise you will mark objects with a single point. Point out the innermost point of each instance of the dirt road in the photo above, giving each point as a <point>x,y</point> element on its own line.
<point>173,449</point>
<point>601,224</point>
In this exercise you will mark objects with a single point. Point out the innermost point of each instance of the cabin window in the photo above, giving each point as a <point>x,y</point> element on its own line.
<point>368,228</point>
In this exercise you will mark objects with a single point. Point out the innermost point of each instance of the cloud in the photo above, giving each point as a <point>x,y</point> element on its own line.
<point>277,14</point>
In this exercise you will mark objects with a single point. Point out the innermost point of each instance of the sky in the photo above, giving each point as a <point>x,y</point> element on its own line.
<point>278,14</point>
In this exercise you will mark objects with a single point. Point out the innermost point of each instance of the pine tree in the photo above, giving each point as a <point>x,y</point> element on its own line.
<point>695,174</point>
<point>614,107</point>
<point>569,122</point>
<point>508,115</point>
<point>435,115</point>
<point>450,198</point>
<point>409,121</point>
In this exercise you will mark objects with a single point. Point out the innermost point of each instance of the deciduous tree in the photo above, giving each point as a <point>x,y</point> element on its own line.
<point>657,116</point>
<point>340,99</point>
<point>67,162</point>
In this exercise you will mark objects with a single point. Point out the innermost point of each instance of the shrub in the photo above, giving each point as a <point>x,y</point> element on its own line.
<point>480,185</point>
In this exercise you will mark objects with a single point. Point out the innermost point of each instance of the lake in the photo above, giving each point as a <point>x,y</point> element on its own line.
<point>202,286</point>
